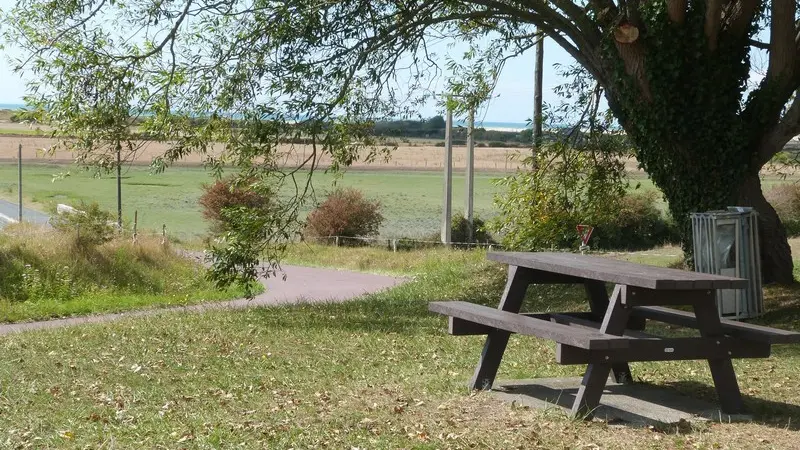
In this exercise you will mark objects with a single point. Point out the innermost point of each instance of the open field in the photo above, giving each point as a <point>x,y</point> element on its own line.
<point>409,185</point>
<point>411,200</point>
<point>406,156</point>
<point>380,372</point>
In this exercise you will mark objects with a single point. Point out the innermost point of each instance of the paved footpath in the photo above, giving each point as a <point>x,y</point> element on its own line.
<point>302,285</point>
<point>9,213</point>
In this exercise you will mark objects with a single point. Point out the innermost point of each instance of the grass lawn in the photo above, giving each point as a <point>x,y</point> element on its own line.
<point>380,372</point>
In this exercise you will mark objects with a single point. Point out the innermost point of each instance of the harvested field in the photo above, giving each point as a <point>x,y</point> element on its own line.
<point>406,156</point>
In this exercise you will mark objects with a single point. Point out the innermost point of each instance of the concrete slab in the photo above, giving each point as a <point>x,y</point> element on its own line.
<point>637,404</point>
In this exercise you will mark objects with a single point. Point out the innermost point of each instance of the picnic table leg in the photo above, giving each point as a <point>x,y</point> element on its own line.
<point>518,280</point>
<point>598,301</point>
<point>730,397</point>
<point>594,380</point>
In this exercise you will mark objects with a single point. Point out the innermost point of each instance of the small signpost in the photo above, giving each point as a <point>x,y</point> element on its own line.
<point>585,233</point>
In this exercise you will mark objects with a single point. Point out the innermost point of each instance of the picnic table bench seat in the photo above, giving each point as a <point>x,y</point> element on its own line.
<point>612,334</point>
<point>741,330</point>
<point>579,340</point>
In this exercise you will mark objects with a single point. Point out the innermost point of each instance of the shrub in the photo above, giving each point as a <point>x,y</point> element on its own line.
<point>90,225</point>
<point>786,201</point>
<point>230,193</point>
<point>346,213</point>
<point>563,186</point>
<point>639,225</point>
<point>459,230</point>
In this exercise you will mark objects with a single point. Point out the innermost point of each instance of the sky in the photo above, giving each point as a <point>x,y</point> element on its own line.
<point>512,100</point>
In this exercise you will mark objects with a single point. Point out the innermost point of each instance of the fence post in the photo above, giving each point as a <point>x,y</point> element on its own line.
<point>394,245</point>
<point>336,240</point>
<point>163,234</point>
<point>135,224</point>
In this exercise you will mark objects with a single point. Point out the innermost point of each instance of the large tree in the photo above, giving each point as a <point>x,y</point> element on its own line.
<point>675,74</point>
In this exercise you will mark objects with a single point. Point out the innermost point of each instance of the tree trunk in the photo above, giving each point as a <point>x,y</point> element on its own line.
<point>776,255</point>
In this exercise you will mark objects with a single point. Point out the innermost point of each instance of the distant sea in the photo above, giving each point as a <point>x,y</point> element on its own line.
<point>12,106</point>
<point>498,126</point>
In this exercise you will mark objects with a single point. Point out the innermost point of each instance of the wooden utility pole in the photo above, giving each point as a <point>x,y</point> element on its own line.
<point>19,182</point>
<point>468,213</point>
<point>448,178</point>
<point>119,185</point>
<point>537,94</point>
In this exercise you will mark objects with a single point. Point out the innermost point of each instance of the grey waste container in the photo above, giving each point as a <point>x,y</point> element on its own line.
<point>726,243</point>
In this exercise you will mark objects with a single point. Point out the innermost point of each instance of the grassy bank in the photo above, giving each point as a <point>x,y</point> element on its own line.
<point>380,372</point>
<point>44,274</point>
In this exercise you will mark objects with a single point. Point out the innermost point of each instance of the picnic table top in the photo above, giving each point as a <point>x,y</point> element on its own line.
<point>616,271</point>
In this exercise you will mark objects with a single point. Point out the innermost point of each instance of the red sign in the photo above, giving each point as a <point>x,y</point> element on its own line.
<point>585,232</point>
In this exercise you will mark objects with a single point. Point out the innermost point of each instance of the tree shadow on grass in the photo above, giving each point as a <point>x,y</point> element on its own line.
<point>782,307</point>
<point>785,416</point>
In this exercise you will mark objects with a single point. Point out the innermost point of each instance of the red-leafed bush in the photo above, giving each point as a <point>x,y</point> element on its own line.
<point>227,194</point>
<point>345,213</point>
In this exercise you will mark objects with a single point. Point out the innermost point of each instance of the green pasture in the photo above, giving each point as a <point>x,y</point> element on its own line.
<point>411,200</point>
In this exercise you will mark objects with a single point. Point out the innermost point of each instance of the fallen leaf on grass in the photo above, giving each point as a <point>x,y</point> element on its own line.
<point>67,434</point>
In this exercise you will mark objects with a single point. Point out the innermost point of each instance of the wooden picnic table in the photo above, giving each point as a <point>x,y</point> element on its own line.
<point>611,335</point>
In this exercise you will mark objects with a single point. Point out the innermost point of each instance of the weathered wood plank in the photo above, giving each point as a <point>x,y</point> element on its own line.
<point>461,327</point>
<point>745,331</point>
<point>591,389</point>
<point>545,277</point>
<point>582,320</point>
<point>665,349</point>
<point>638,296</point>
<point>519,278</point>
<point>725,383</point>
<point>615,271</point>
<point>517,323</point>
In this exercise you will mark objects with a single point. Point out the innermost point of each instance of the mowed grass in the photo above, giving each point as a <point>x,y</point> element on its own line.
<point>380,372</point>
<point>411,201</point>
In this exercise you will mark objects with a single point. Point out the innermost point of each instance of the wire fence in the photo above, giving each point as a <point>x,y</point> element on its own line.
<point>406,244</point>
<point>166,235</point>
<point>397,244</point>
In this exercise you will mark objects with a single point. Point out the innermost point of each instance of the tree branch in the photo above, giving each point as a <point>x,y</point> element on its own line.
<point>738,15</point>
<point>759,44</point>
<point>713,22</point>
<point>782,50</point>
<point>676,10</point>
<point>787,128</point>
<point>173,32</point>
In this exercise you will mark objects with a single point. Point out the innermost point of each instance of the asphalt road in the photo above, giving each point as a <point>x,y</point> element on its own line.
<point>9,213</point>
